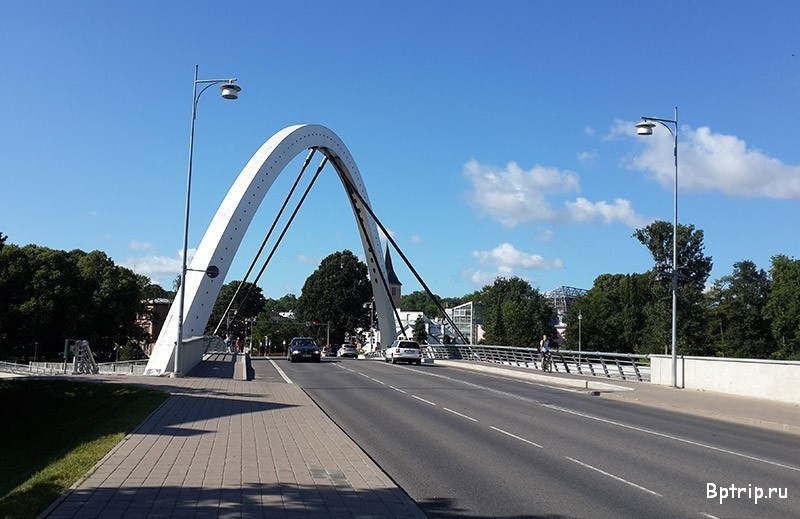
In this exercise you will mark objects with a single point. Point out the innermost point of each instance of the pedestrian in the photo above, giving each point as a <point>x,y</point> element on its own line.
<point>238,344</point>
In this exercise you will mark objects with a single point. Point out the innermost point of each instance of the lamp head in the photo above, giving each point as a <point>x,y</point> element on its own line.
<point>645,128</point>
<point>230,91</point>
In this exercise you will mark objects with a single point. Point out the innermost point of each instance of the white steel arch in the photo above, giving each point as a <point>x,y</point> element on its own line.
<point>226,231</point>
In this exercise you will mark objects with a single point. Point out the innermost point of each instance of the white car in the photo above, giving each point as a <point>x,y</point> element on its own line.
<point>404,351</point>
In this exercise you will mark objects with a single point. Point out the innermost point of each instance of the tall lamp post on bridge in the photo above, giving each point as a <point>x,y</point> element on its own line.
<point>580,319</point>
<point>229,91</point>
<point>646,128</point>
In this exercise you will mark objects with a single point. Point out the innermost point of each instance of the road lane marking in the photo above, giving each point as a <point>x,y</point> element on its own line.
<point>398,389</point>
<point>459,414</point>
<point>614,477</point>
<point>378,381</point>
<point>515,436</point>
<point>422,399</point>
<point>708,516</point>
<point>281,373</point>
<point>670,437</point>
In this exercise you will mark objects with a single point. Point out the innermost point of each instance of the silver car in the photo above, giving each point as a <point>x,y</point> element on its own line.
<point>404,351</point>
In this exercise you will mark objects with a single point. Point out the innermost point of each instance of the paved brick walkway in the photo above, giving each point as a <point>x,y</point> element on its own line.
<point>225,448</point>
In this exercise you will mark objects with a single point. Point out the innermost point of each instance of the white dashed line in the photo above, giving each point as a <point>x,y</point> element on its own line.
<point>459,414</point>
<point>515,436</point>
<point>422,399</point>
<point>398,389</point>
<point>614,477</point>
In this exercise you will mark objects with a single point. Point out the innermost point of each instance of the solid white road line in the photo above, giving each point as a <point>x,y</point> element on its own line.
<point>614,477</point>
<point>515,436</point>
<point>281,373</point>
<point>459,414</point>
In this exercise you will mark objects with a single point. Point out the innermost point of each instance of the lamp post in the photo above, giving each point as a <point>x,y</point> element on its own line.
<point>369,304</point>
<point>646,128</point>
<point>229,91</point>
<point>580,318</point>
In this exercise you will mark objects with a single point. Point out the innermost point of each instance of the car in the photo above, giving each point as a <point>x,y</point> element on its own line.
<point>404,351</point>
<point>347,350</point>
<point>303,348</point>
<point>329,350</point>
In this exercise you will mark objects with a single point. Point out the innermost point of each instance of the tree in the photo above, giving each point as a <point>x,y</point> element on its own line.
<point>737,326</point>
<point>249,304</point>
<point>420,333</point>
<point>51,295</point>
<point>3,238</point>
<point>613,314</point>
<point>335,293</point>
<point>783,306</point>
<point>514,313</point>
<point>286,303</point>
<point>420,301</point>
<point>693,270</point>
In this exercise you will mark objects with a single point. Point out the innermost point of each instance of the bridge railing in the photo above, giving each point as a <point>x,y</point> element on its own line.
<point>127,367</point>
<point>33,368</point>
<point>623,366</point>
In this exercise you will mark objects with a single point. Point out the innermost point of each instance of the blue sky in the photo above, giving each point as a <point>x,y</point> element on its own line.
<point>494,137</point>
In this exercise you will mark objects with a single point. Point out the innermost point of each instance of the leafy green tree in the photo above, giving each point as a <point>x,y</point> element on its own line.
<point>335,293</point>
<point>420,301</point>
<point>244,307</point>
<point>613,315</point>
<point>783,306</point>
<point>737,326</point>
<point>514,313</point>
<point>420,333</point>
<point>3,238</point>
<point>51,295</point>
<point>286,303</point>
<point>694,268</point>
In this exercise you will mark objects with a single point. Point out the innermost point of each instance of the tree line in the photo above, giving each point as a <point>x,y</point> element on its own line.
<point>48,296</point>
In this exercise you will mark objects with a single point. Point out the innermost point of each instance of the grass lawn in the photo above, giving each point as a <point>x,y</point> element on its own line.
<point>54,430</point>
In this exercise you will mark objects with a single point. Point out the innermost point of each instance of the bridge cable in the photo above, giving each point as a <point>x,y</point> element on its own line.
<point>352,189</point>
<point>266,238</point>
<point>283,233</point>
<point>375,259</point>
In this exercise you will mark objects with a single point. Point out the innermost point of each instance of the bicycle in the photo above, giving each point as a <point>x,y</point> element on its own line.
<point>547,362</point>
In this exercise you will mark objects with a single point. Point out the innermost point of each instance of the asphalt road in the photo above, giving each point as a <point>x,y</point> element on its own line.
<point>467,444</point>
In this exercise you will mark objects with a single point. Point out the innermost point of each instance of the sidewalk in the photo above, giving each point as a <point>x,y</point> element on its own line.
<point>226,448</point>
<point>749,411</point>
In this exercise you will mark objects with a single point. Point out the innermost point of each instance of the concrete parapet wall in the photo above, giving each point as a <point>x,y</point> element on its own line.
<point>775,380</point>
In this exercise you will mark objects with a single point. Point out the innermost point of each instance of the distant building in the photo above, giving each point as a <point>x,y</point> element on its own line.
<point>152,321</point>
<point>395,286</point>
<point>562,299</point>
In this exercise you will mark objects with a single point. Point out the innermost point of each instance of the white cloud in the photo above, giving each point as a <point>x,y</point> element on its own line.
<point>140,245</point>
<point>157,267</point>
<point>513,196</point>
<point>582,210</point>
<point>587,156</point>
<point>710,161</point>
<point>416,239</point>
<point>505,258</point>
<point>308,260</point>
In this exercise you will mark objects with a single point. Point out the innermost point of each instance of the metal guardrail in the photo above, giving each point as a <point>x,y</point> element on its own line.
<point>33,368</point>
<point>623,366</point>
<point>129,367</point>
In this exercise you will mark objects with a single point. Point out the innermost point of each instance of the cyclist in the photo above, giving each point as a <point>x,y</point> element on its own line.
<point>544,349</point>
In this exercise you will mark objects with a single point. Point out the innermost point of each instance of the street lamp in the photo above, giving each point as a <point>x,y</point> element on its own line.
<point>580,318</point>
<point>229,91</point>
<point>646,128</point>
